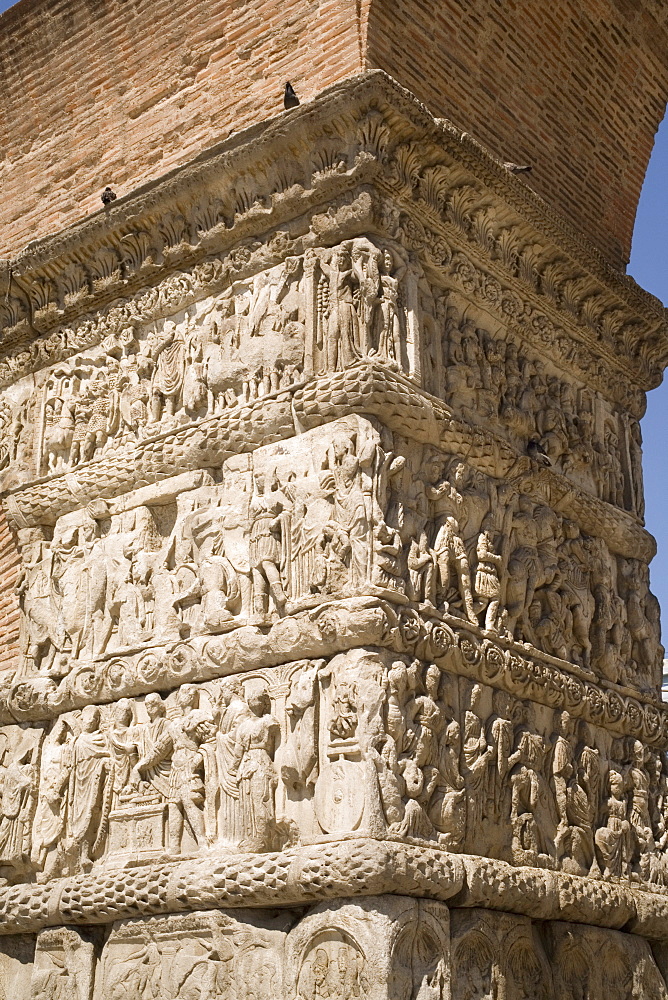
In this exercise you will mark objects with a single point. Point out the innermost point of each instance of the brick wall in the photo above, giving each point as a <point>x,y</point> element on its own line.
<point>577,88</point>
<point>108,91</point>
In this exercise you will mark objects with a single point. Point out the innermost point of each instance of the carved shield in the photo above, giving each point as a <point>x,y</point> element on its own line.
<point>339,796</point>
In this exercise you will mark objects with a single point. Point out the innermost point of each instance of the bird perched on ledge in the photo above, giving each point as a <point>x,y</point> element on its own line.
<point>536,451</point>
<point>515,168</point>
<point>108,196</point>
<point>290,99</point>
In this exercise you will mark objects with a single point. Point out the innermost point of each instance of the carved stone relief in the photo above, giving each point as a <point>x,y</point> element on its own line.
<point>344,509</point>
<point>378,948</point>
<point>259,336</point>
<point>501,955</point>
<point>334,593</point>
<point>494,381</point>
<point>221,352</point>
<point>19,776</point>
<point>268,332</point>
<point>371,949</point>
<point>366,743</point>
<point>64,965</point>
<point>207,956</point>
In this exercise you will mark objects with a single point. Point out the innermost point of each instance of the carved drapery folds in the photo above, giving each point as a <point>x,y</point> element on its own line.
<point>345,509</point>
<point>365,743</point>
<point>328,503</point>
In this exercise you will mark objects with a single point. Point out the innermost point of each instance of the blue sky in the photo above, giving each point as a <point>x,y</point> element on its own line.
<point>649,267</point>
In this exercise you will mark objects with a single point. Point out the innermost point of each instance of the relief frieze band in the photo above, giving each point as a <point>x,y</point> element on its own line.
<point>608,316</point>
<point>461,649</point>
<point>374,947</point>
<point>345,508</point>
<point>365,388</point>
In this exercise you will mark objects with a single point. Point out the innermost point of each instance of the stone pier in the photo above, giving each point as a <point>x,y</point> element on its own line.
<point>331,669</point>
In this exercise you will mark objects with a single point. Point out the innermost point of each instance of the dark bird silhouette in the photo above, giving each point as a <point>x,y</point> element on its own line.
<point>516,168</point>
<point>290,99</point>
<point>536,451</point>
<point>108,196</point>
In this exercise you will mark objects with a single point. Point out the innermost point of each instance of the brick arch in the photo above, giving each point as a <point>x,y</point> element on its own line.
<point>577,88</point>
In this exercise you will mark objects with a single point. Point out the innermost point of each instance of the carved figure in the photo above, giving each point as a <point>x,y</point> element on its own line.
<point>125,603</point>
<point>342,343</point>
<point>221,792</point>
<point>148,735</point>
<point>51,814</point>
<point>639,812</point>
<point>166,350</point>
<point>365,264</point>
<point>17,795</point>
<point>351,474</point>
<point>487,581</point>
<point>299,758</point>
<point>450,555</point>
<point>181,742</point>
<point>89,793</point>
<point>531,564</point>
<point>34,590</point>
<point>70,580</point>
<point>255,746</point>
<point>122,749</point>
<point>58,432</point>
<point>476,754</point>
<point>421,569</point>
<point>266,508</point>
<point>344,711</point>
<point>528,795</point>
<point>392,335</point>
<point>614,841</point>
<point>67,973</point>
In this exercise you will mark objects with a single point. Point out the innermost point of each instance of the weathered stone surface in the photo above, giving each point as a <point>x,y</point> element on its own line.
<point>338,669</point>
<point>128,97</point>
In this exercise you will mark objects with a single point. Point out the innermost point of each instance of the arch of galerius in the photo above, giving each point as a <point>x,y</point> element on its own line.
<point>330,667</point>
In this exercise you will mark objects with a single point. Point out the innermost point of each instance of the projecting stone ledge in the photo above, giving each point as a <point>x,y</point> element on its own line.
<point>335,626</point>
<point>327,871</point>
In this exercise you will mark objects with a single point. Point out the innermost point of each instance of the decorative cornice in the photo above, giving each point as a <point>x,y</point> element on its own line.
<point>365,131</point>
<point>335,626</point>
<point>337,869</point>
